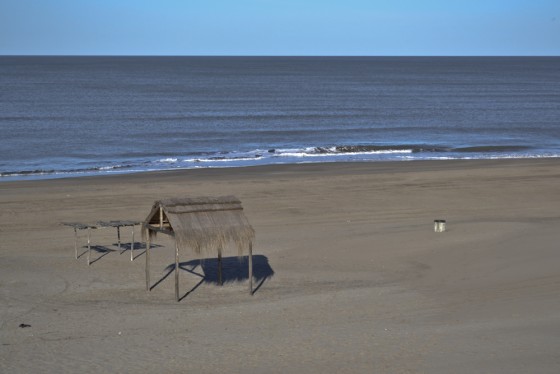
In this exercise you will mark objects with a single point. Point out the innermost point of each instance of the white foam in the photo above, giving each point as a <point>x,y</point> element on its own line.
<point>220,159</point>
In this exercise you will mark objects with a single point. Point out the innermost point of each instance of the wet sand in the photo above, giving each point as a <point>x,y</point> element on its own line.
<point>352,277</point>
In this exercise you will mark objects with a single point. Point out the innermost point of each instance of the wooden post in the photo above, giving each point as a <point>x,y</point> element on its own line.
<point>176,271</point>
<point>160,217</point>
<point>220,266</point>
<point>147,259</point>
<point>76,242</point>
<point>251,268</point>
<point>132,245</point>
<point>119,238</point>
<point>89,246</point>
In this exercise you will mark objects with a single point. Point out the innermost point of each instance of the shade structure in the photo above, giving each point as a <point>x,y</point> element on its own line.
<point>206,225</point>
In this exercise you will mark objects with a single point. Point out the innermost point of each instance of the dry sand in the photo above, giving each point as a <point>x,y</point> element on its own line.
<point>361,282</point>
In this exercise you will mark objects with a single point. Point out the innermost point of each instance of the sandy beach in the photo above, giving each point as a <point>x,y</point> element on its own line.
<point>353,277</point>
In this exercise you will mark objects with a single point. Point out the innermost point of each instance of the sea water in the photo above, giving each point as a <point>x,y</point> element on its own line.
<point>72,116</point>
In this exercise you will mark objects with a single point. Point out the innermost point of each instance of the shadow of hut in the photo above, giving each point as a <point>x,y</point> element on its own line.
<point>233,270</point>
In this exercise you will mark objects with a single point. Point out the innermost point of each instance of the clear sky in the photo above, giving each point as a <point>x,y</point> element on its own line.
<point>280,27</point>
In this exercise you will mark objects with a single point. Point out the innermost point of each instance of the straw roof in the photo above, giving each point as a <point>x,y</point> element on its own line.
<point>205,224</point>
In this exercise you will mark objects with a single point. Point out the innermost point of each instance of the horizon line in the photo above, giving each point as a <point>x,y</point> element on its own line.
<point>264,55</point>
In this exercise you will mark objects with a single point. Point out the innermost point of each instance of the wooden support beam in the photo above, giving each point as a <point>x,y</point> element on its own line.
<point>220,282</point>
<point>251,268</point>
<point>147,259</point>
<point>76,242</point>
<point>157,229</point>
<point>176,271</point>
<point>119,238</point>
<point>132,246</point>
<point>89,246</point>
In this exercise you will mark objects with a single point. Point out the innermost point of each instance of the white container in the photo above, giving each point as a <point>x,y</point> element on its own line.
<point>439,225</point>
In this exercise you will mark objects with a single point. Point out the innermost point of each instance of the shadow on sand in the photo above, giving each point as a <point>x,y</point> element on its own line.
<point>234,269</point>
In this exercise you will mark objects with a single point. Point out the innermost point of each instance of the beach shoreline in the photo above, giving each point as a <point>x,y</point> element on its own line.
<point>360,281</point>
<point>397,165</point>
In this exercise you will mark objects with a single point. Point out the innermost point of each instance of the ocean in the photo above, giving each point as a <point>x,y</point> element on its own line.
<point>74,116</point>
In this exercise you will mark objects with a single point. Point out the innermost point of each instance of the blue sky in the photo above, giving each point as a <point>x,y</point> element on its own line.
<point>276,27</point>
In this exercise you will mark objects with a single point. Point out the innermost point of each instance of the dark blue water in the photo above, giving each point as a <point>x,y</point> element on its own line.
<point>69,116</point>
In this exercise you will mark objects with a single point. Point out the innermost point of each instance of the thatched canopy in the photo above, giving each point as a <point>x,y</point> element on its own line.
<point>205,224</point>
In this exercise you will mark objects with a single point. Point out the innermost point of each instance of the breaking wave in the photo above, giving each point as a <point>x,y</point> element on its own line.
<point>334,153</point>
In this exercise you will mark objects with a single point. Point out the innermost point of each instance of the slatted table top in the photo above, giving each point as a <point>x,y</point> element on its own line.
<point>100,224</point>
<point>118,223</point>
<point>80,226</point>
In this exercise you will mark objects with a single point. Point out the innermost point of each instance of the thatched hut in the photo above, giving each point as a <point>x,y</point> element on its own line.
<point>205,224</point>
